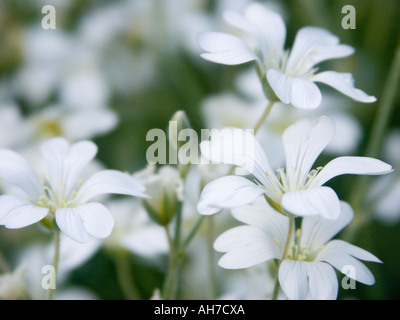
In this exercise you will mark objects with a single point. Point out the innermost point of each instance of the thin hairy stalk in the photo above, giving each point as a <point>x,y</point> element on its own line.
<point>124,275</point>
<point>55,261</point>
<point>263,117</point>
<point>377,135</point>
<point>284,255</point>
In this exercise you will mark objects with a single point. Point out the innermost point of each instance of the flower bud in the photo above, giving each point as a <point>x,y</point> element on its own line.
<point>180,134</point>
<point>165,189</point>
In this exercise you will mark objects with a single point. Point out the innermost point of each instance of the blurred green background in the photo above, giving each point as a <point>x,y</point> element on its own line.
<point>177,78</point>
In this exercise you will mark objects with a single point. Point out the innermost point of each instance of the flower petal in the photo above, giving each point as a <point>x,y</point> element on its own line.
<point>270,24</point>
<point>97,219</point>
<point>246,247</point>
<point>225,48</point>
<point>226,193</point>
<point>55,151</point>
<point>305,94</point>
<point>321,201</point>
<point>344,83</point>
<point>350,165</point>
<point>301,93</point>
<point>70,222</point>
<point>266,26</point>
<point>317,231</point>
<point>342,256</point>
<point>17,171</point>
<point>310,43</point>
<point>293,279</point>
<point>65,162</point>
<point>17,213</point>
<point>322,280</point>
<point>109,181</point>
<point>303,143</point>
<point>237,147</point>
<point>259,214</point>
<point>281,84</point>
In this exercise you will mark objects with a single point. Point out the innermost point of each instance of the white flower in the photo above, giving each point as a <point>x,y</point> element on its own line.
<point>62,193</point>
<point>308,270</point>
<point>298,189</point>
<point>72,123</point>
<point>13,131</point>
<point>134,230</point>
<point>12,285</point>
<point>286,76</point>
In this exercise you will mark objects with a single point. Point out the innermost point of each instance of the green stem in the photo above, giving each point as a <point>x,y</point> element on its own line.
<point>124,277</point>
<point>178,226</point>
<point>263,116</point>
<point>284,255</point>
<point>192,233</point>
<point>210,254</point>
<point>171,279</point>
<point>55,260</point>
<point>378,131</point>
<point>4,267</point>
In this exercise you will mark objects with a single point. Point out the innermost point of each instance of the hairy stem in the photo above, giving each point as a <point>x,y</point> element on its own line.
<point>55,260</point>
<point>263,117</point>
<point>284,255</point>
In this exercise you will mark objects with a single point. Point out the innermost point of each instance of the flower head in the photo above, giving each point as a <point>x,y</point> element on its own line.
<point>288,76</point>
<point>62,194</point>
<point>298,189</point>
<point>307,272</point>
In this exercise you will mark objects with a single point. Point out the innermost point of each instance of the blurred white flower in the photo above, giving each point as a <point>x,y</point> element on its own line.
<point>37,255</point>
<point>134,230</point>
<point>12,285</point>
<point>74,124</point>
<point>308,269</point>
<point>286,76</point>
<point>299,189</point>
<point>13,129</point>
<point>62,195</point>
<point>253,283</point>
<point>46,55</point>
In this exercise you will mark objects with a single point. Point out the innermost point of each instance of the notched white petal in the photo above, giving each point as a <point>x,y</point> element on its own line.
<point>351,165</point>
<point>344,83</point>
<point>322,201</point>
<point>225,48</point>
<point>109,182</point>
<point>227,192</point>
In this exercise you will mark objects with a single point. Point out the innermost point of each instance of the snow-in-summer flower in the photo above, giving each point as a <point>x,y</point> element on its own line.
<point>61,195</point>
<point>298,189</point>
<point>287,75</point>
<point>307,272</point>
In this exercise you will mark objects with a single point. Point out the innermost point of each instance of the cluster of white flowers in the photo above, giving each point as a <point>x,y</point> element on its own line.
<point>281,218</point>
<point>269,201</point>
